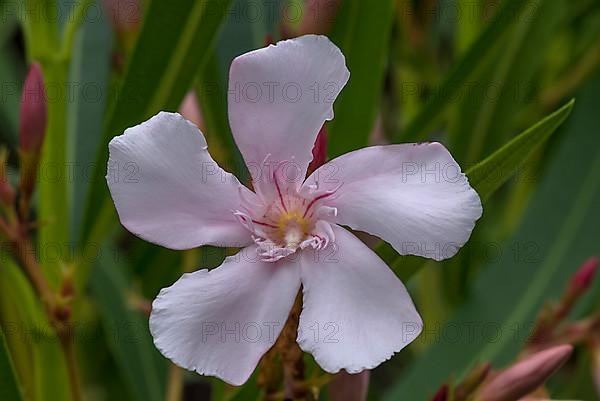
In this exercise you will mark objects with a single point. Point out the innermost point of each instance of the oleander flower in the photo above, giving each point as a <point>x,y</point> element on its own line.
<point>356,312</point>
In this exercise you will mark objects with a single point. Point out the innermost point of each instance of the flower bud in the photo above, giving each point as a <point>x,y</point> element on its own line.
<point>442,394</point>
<point>32,130</point>
<point>268,40</point>
<point>190,109</point>
<point>33,111</point>
<point>583,278</point>
<point>319,151</point>
<point>525,376</point>
<point>347,387</point>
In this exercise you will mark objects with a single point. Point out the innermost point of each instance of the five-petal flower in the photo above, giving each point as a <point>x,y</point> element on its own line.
<point>356,313</point>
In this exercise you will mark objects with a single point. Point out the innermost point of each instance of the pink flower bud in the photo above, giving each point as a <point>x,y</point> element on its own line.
<point>33,111</point>
<point>347,387</point>
<point>319,151</point>
<point>268,40</point>
<point>525,376</point>
<point>190,109</point>
<point>442,394</point>
<point>583,278</point>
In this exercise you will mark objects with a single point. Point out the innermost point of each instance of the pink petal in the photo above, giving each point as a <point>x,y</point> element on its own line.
<point>356,313</point>
<point>280,96</point>
<point>220,323</point>
<point>168,190</point>
<point>413,196</point>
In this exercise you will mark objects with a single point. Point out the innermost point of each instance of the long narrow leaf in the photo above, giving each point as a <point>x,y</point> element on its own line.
<point>558,233</point>
<point>460,74</point>
<point>362,31</point>
<point>487,176</point>
<point>10,388</point>
<point>162,68</point>
<point>140,364</point>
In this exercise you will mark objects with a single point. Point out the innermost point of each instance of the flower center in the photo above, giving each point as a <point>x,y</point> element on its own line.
<point>292,228</point>
<point>287,219</point>
<point>286,222</point>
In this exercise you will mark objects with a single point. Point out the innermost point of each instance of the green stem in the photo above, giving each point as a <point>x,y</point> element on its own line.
<point>174,383</point>
<point>52,175</point>
<point>68,347</point>
<point>71,28</point>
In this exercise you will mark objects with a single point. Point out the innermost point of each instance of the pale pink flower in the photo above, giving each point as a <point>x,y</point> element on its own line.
<point>356,313</point>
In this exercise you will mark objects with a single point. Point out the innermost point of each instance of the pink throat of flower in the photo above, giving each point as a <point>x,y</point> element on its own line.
<point>288,221</point>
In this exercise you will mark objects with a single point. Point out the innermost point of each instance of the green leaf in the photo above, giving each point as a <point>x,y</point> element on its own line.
<point>41,34</point>
<point>462,72</point>
<point>11,72</point>
<point>35,349</point>
<point>140,364</point>
<point>10,388</point>
<point>362,31</point>
<point>213,102</point>
<point>53,182</point>
<point>487,111</point>
<point>486,177</point>
<point>558,232</point>
<point>162,68</point>
<point>89,71</point>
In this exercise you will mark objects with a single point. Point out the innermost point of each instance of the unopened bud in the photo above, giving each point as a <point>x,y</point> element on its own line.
<point>319,151</point>
<point>347,387</point>
<point>32,128</point>
<point>190,109</point>
<point>268,40</point>
<point>442,394</point>
<point>584,277</point>
<point>33,111</point>
<point>525,376</point>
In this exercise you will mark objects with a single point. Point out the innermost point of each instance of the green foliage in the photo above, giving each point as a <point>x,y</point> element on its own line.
<point>556,235</point>
<point>494,88</point>
<point>128,335</point>
<point>30,338</point>
<point>463,71</point>
<point>161,69</point>
<point>504,87</point>
<point>361,30</point>
<point>10,389</point>
<point>90,69</point>
<point>487,176</point>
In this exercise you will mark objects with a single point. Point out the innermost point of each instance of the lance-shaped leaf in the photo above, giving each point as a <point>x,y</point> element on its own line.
<point>361,30</point>
<point>558,232</point>
<point>463,70</point>
<point>488,175</point>
<point>161,70</point>
<point>10,388</point>
<point>142,368</point>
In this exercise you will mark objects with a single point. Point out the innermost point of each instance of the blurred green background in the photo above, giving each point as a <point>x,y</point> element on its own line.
<point>490,79</point>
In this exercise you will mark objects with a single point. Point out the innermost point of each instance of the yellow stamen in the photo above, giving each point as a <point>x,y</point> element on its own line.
<point>292,228</point>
